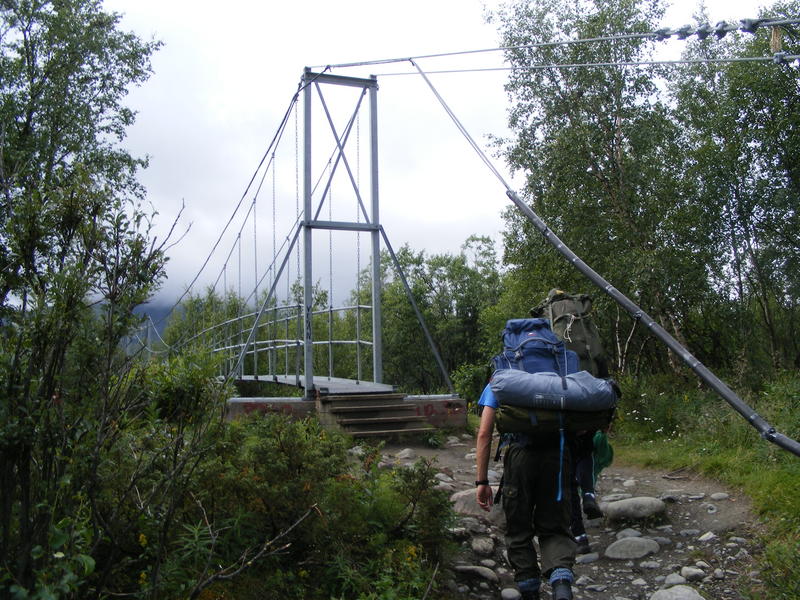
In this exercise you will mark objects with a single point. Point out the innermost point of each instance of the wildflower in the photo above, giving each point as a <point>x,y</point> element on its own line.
<point>411,553</point>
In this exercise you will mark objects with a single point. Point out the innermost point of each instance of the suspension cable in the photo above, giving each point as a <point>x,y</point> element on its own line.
<point>296,198</point>
<point>274,223</point>
<point>702,31</point>
<point>255,235</point>
<point>358,251</point>
<point>778,58</point>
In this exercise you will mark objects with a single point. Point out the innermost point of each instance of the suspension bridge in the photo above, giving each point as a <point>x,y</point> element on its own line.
<point>295,336</point>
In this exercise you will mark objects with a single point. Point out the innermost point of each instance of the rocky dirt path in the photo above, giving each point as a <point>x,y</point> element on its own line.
<point>664,536</point>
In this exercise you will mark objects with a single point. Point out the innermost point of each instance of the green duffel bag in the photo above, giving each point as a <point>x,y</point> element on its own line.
<point>572,321</point>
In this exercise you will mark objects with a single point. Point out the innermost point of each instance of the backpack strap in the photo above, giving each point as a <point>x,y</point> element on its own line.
<point>592,361</point>
<point>561,459</point>
<point>499,494</point>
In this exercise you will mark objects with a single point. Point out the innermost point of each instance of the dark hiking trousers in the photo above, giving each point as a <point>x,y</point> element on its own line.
<point>530,490</point>
<point>582,481</point>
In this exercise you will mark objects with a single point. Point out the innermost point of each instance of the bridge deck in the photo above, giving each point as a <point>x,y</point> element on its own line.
<point>326,385</point>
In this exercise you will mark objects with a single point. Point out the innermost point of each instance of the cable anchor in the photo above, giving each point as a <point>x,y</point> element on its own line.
<point>704,31</point>
<point>781,58</point>
<point>750,25</point>
<point>722,28</point>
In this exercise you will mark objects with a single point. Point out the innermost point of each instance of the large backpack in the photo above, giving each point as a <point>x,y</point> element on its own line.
<point>570,317</point>
<point>530,345</point>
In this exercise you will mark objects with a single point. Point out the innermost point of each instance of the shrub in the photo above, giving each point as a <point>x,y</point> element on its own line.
<point>183,386</point>
<point>276,483</point>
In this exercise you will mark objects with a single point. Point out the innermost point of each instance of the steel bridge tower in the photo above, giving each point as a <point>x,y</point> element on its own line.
<point>315,81</point>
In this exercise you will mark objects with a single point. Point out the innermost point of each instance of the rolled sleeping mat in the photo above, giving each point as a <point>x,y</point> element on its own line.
<point>579,391</point>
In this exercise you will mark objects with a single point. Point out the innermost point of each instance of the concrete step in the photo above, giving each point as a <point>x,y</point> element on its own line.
<point>372,415</point>
<point>389,432</point>
<point>373,420</point>
<point>328,403</point>
<point>368,396</point>
<point>351,408</point>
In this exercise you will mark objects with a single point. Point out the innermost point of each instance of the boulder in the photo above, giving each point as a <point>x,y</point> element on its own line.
<point>480,572</point>
<point>640,507</point>
<point>464,503</point>
<point>632,548</point>
<point>679,592</point>
<point>482,546</point>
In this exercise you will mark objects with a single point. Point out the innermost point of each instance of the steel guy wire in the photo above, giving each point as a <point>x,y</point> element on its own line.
<point>461,128</point>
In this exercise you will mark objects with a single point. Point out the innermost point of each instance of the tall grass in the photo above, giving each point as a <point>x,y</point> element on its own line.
<point>661,424</point>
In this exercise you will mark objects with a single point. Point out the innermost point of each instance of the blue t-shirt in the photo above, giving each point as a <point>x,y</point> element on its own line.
<point>488,398</point>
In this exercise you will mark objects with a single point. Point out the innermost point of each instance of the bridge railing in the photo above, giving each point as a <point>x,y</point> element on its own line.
<point>277,348</point>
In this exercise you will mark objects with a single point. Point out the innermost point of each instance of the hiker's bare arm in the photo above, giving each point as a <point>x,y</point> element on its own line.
<point>483,449</point>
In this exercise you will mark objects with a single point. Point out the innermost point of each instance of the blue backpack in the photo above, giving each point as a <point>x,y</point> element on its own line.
<point>530,345</point>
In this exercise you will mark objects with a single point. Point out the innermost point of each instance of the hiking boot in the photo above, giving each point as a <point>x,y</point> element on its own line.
<point>590,507</point>
<point>529,588</point>
<point>583,544</point>
<point>562,590</point>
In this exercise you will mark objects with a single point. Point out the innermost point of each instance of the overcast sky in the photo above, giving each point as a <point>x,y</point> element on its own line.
<point>225,77</point>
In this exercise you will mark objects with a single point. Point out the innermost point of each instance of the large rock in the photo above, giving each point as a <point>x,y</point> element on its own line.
<point>632,548</point>
<point>407,454</point>
<point>693,573</point>
<point>481,572</point>
<point>679,592</point>
<point>641,507</point>
<point>482,546</point>
<point>464,503</point>
<point>674,579</point>
<point>626,533</point>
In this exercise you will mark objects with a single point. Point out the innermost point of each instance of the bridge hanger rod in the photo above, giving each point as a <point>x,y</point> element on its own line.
<point>765,429</point>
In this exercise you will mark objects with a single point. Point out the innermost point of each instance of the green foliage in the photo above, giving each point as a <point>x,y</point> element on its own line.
<point>469,381</point>
<point>435,438</point>
<point>451,292</point>
<point>602,155</point>
<point>203,320</point>
<point>277,483</point>
<point>75,260</point>
<point>183,387</point>
<point>682,195</point>
<point>743,134</point>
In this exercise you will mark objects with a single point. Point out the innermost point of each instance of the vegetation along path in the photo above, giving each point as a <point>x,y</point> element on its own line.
<point>665,535</point>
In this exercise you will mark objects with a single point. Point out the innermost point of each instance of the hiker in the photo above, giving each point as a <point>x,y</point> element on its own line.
<point>536,501</point>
